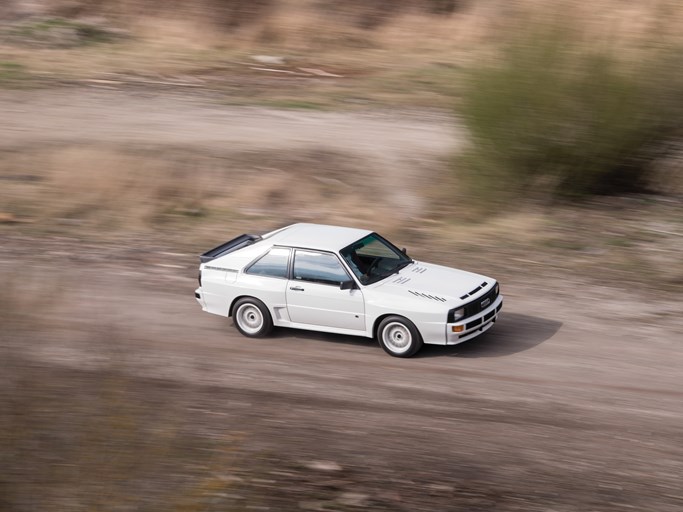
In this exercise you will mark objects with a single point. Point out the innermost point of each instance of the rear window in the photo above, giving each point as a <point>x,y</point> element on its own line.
<point>272,264</point>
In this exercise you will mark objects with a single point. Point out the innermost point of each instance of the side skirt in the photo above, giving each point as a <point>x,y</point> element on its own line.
<point>320,328</point>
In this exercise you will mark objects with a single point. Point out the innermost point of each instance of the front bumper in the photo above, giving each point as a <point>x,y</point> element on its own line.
<point>475,325</point>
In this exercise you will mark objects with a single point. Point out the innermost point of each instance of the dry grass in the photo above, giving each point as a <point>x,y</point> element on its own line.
<point>629,241</point>
<point>99,185</point>
<point>105,191</point>
<point>412,57</point>
<point>186,199</point>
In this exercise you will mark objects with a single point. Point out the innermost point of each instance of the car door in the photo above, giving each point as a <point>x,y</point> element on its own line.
<point>314,296</point>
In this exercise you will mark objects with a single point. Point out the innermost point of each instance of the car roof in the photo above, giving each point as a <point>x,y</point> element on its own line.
<point>316,236</point>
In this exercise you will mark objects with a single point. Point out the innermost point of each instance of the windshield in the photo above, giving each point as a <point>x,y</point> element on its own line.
<point>373,258</point>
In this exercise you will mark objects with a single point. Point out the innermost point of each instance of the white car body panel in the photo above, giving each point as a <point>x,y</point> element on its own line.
<point>424,293</point>
<point>317,304</point>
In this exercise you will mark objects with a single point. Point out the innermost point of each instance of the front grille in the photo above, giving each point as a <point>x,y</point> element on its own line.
<point>475,307</point>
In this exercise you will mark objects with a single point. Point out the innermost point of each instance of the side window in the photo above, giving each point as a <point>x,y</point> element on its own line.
<point>318,267</point>
<point>272,264</point>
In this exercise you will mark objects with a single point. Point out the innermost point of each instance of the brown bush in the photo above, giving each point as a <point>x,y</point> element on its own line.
<point>370,14</point>
<point>232,14</point>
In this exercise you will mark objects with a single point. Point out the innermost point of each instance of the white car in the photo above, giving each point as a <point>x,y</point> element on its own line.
<point>346,281</point>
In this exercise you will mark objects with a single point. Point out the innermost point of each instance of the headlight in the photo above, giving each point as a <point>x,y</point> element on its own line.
<point>455,314</point>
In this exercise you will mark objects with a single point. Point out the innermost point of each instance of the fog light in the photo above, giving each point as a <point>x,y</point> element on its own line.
<point>458,328</point>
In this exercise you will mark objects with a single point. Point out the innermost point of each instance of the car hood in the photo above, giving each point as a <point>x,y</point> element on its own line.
<point>436,283</point>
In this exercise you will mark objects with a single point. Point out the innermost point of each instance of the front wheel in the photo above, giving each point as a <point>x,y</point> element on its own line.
<point>399,337</point>
<point>252,317</point>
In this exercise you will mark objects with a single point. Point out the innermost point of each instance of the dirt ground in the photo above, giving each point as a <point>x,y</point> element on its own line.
<point>572,402</point>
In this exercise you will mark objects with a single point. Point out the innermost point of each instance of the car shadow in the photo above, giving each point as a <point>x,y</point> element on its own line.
<point>512,333</point>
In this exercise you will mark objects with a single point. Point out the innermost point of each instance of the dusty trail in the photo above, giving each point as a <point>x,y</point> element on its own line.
<point>552,408</point>
<point>84,115</point>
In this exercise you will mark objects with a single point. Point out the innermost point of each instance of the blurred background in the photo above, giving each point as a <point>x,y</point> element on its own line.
<point>537,142</point>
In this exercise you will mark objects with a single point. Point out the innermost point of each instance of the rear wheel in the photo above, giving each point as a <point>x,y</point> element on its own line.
<point>399,337</point>
<point>252,318</point>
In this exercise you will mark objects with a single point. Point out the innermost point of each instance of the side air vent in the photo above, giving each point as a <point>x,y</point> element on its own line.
<point>427,296</point>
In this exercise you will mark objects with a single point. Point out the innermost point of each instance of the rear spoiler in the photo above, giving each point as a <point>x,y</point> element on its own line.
<point>228,247</point>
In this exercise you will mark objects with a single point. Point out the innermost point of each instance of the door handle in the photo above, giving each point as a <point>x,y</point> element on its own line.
<point>296,288</point>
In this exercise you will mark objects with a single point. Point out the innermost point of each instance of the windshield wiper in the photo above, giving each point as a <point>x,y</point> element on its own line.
<point>403,265</point>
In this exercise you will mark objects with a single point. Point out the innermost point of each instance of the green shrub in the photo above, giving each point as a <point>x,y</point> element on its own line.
<point>558,118</point>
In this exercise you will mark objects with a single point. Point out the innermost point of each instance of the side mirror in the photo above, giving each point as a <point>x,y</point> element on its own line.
<point>404,251</point>
<point>347,285</point>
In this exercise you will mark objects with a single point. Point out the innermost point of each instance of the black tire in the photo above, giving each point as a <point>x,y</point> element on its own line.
<point>399,337</point>
<point>252,318</point>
